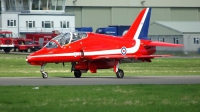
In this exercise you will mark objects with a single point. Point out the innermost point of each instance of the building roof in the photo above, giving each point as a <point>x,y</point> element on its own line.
<point>134,3</point>
<point>181,26</point>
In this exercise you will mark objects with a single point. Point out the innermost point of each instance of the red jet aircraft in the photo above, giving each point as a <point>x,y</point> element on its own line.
<point>90,51</point>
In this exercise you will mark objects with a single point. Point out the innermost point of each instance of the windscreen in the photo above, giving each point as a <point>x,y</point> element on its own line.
<point>51,44</point>
<point>65,38</point>
<point>61,39</point>
<point>6,35</point>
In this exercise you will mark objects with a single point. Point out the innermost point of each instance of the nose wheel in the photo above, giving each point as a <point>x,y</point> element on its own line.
<point>44,74</point>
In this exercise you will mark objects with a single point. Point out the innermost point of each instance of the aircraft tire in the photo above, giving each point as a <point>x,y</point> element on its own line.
<point>77,73</point>
<point>6,50</point>
<point>16,50</point>
<point>45,75</point>
<point>120,73</point>
<point>29,50</point>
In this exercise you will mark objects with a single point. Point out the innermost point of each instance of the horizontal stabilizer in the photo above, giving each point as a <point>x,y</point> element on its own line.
<point>152,56</point>
<point>164,44</point>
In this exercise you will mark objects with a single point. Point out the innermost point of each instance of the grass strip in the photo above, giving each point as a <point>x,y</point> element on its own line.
<point>103,98</point>
<point>12,65</point>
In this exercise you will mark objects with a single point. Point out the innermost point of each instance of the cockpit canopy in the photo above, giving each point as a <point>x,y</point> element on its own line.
<point>65,38</point>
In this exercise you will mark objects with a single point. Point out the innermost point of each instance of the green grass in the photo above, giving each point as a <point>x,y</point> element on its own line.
<point>15,66</point>
<point>101,98</point>
<point>108,98</point>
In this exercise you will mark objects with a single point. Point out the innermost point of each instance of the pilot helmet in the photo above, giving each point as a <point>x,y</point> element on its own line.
<point>75,35</point>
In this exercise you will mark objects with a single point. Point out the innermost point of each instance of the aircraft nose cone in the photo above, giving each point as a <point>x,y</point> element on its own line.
<point>27,58</point>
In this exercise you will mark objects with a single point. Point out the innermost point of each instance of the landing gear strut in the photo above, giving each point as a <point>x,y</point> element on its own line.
<point>44,74</point>
<point>120,73</point>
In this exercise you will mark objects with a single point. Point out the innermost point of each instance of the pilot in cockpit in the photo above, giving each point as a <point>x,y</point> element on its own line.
<point>75,37</point>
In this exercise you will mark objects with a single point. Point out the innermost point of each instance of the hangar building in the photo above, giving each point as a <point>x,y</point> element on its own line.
<point>101,13</point>
<point>179,32</point>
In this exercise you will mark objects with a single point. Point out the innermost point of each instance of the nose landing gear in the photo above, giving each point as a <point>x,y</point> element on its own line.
<point>44,74</point>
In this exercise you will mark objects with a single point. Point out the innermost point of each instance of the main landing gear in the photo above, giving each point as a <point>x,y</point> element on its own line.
<point>120,73</point>
<point>77,73</point>
<point>44,74</point>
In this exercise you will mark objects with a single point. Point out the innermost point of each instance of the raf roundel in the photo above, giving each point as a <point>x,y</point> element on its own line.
<point>123,51</point>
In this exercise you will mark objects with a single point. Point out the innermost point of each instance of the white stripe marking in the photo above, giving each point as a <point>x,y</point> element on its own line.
<point>57,55</point>
<point>93,53</point>
<point>141,25</point>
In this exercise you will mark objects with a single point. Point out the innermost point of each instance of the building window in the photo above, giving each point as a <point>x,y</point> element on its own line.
<point>67,24</point>
<point>30,24</point>
<point>47,24</point>
<point>64,24</point>
<point>10,4</point>
<point>11,23</point>
<point>57,4</point>
<point>48,4</point>
<point>196,40</point>
<point>161,39</point>
<point>24,4</point>
<point>176,41</point>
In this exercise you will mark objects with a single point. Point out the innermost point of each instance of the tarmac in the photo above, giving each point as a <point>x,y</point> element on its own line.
<point>36,81</point>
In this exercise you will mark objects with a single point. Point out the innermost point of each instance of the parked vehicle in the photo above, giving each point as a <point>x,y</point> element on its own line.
<point>6,41</point>
<point>84,29</point>
<point>23,44</point>
<point>115,30</point>
<point>41,38</point>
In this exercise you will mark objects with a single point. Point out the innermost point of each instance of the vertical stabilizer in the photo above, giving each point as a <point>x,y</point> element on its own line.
<point>139,28</point>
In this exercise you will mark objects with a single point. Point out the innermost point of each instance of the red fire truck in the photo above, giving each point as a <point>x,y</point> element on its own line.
<point>6,41</point>
<point>41,38</point>
<point>23,44</point>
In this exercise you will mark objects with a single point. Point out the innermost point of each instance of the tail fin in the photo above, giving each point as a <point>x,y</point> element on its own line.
<point>139,28</point>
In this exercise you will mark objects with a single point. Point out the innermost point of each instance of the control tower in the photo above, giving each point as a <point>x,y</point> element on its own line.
<point>25,16</point>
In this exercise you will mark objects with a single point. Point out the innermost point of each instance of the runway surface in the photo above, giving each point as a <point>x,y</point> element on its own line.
<point>6,81</point>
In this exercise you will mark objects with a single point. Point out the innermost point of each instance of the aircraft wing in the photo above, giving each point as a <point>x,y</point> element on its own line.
<point>123,57</point>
